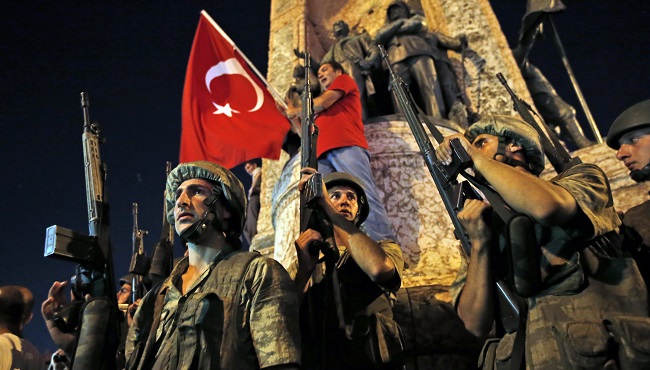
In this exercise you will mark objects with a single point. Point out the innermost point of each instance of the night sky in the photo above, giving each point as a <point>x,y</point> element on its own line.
<point>131,59</point>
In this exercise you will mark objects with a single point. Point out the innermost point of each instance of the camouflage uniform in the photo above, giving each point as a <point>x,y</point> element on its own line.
<point>566,316</point>
<point>636,231</point>
<point>203,330</point>
<point>324,345</point>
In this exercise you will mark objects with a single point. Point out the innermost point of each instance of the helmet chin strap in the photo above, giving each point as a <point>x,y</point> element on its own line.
<point>501,149</point>
<point>194,233</point>
<point>642,174</point>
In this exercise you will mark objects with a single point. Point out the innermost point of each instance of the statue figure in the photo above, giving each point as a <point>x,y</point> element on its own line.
<point>411,56</point>
<point>553,109</point>
<point>449,85</point>
<point>549,104</point>
<point>298,85</point>
<point>358,55</point>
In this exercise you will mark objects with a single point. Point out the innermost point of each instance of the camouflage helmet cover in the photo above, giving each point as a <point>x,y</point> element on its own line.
<point>235,196</point>
<point>632,118</point>
<point>342,178</point>
<point>515,129</point>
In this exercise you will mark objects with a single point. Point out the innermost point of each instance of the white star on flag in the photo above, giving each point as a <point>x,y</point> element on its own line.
<point>225,109</point>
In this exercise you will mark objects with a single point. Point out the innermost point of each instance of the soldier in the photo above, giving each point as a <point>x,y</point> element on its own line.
<point>630,136</point>
<point>368,271</point>
<point>580,282</point>
<point>411,56</point>
<point>219,308</point>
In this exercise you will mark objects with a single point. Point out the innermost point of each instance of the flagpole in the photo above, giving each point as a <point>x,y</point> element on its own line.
<point>273,92</point>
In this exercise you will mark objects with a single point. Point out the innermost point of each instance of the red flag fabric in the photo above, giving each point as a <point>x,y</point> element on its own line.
<point>228,115</point>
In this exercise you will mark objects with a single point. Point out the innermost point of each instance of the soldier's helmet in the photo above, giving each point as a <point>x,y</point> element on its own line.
<point>230,189</point>
<point>341,178</point>
<point>515,129</point>
<point>127,279</point>
<point>634,117</point>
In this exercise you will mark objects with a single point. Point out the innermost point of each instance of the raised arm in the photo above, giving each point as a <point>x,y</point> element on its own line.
<point>475,306</point>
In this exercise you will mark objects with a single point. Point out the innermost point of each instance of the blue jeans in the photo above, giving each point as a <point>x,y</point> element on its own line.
<point>356,161</point>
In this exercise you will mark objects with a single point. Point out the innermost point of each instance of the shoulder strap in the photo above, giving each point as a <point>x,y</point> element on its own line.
<point>152,326</point>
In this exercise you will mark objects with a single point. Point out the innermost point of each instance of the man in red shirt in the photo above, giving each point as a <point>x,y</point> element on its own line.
<point>342,145</point>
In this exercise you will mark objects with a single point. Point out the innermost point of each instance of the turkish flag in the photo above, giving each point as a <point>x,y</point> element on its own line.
<point>229,116</point>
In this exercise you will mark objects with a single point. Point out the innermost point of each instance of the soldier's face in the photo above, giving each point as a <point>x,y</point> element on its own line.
<point>189,206</point>
<point>327,75</point>
<point>635,149</point>
<point>345,201</point>
<point>487,144</point>
<point>124,293</point>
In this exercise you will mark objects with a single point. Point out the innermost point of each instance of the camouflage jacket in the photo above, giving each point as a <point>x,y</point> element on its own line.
<point>573,303</point>
<point>325,345</point>
<point>239,315</point>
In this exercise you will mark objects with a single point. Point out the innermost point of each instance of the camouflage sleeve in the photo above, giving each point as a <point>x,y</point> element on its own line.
<point>273,314</point>
<point>133,334</point>
<point>590,188</point>
<point>636,218</point>
<point>394,252</point>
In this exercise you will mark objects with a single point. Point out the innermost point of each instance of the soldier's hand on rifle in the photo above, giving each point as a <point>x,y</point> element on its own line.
<point>306,173</point>
<point>473,218</point>
<point>307,248</point>
<point>130,312</point>
<point>55,301</point>
<point>444,150</point>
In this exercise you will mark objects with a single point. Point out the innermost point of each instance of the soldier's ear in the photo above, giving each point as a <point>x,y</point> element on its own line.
<point>514,148</point>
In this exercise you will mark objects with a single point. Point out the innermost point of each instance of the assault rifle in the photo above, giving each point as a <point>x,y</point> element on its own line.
<point>560,159</point>
<point>310,216</point>
<point>140,262</point>
<point>452,192</point>
<point>96,320</point>
<point>163,252</point>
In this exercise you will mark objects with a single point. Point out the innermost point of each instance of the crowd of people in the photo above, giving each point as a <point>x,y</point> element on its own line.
<point>578,287</point>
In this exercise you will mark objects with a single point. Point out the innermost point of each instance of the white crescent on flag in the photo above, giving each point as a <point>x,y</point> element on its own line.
<point>232,67</point>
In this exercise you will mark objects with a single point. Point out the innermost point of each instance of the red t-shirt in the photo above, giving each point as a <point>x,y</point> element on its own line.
<point>340,125</point>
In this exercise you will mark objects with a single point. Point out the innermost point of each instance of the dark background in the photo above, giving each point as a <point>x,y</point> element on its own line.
<point>131,59</point>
